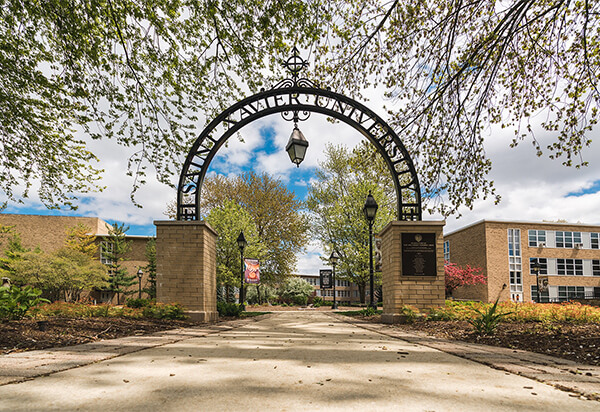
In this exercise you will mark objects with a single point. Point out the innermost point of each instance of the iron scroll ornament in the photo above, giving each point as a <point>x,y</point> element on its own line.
<point>299,98</point>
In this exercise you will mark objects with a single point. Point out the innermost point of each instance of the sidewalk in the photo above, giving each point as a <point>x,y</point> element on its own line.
<point>292,361</point>
<point>22,366</point>
<point>581,380</point>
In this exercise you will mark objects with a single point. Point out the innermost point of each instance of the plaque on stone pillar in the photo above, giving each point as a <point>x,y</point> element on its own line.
<point>419,254</point>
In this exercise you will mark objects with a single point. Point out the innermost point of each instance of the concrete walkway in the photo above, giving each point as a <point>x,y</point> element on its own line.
<point>283,362</point>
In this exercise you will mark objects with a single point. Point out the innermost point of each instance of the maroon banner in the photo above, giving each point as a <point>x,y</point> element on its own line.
<point>251,271</point>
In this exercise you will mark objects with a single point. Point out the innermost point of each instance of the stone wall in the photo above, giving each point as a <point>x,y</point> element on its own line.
<point>187,267</point>
<point>400,290</point>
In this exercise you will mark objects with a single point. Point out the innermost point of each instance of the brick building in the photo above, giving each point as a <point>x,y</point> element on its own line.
<point>346,292</point>
<point>568,254</point>
<point>49,233</point>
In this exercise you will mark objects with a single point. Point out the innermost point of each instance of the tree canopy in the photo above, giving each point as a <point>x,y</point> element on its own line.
<point>282,227</point>
<point>150,73</point>
<point>336,200</point>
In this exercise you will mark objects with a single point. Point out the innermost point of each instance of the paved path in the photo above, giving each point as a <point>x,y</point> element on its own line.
<point>286,362</point>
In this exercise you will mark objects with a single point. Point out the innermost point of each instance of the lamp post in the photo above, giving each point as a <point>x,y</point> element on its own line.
<point>370,210</point>
<point>241,241</point>
<point>536,270</point>
<point>333,259</point>
<point>140,273</point>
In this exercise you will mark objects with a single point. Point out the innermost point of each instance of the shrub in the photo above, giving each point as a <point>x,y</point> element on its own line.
<point>440,314</point>
<point>317,301</point>
<point>164,311</point>
<point>15,302</point>
<point>487,320</point>
<point>296,290</point>
<point>368,311</point>
<point>410,313</point>
<point>229,309</point>
<point>137,303</point>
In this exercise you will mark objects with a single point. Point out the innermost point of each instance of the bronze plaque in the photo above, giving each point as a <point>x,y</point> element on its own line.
<point>418,254</point>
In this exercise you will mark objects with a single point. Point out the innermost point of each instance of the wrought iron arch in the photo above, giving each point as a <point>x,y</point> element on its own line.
<point>296,98</point>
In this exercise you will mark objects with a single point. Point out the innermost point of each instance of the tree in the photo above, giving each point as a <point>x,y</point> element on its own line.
<point>141,72</point>
<point>62,275</point>
<point>336,199</point>
<point>457,276</point>
<point>144,72</point>
<point>454,68</point>
<point>281,225</point>
<point>296,290</point>
<point>229,220</point>
<point>114,249</point>
<point>14,252</point>
<point>79,239</point>
<point>151,268</point>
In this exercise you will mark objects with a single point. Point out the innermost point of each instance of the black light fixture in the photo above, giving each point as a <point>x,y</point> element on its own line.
<point>535,268</point>
<point>333,259</point>
<point>370,210</point>
<point>241,241</point>
<point>140,273</point>
<point>296,146</point>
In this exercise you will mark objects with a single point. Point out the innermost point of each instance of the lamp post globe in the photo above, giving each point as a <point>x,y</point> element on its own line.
<point>140,273</point>
<point>370,211</point>
<point>333,259</point>
<point>241,241</point>
<point>535,267</point>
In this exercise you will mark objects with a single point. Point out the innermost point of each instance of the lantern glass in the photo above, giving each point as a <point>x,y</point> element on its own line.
<point>370,208</point>
<point>296,146</point>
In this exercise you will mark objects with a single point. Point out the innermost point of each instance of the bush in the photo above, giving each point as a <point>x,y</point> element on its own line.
<point>296,290</point>
<point>15,302</point>
<point>317,301</point>
<point>137,303</point>
<point>229,309</point>
<point>488,319</point>
<point>368,311</point>
<point>164,311</point>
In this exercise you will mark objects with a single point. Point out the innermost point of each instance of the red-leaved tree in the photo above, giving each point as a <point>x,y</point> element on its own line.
<point>462,276</point>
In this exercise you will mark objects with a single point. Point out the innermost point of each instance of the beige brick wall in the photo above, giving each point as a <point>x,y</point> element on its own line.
<point>464,248</point>
<point>469,247</point>
<point>47,232</point>
<point>186,267</point>
<point>399,290</point>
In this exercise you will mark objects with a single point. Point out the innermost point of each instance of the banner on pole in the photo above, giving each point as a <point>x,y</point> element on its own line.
<point>543,284</point>
<point>251,271</point>
<point>378,259</point>
<point>326,280</point>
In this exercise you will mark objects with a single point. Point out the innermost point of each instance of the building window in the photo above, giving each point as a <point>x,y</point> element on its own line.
<point>447,250</point>
<point>536,237</point>
<point>105,249</point>
<point>595,267</point>
<point>568,239</point>
<point>570,292</point>
<point>514,242</point>
<point>569,267</point>
<point>544,296</point>
<point>594,240</point>
<point>543,265</point>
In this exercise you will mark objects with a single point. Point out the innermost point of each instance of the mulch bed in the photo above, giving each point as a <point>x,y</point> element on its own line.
<point>580,343</point>
<point>18,336</point>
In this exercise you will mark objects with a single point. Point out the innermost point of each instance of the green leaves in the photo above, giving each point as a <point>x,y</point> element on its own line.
<point>336,200</point>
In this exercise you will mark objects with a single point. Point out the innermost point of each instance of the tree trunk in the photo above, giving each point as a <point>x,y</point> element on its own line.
<point>361,292</point>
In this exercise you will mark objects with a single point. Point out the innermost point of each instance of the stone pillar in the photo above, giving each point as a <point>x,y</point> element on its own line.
<point>398,289</point>
<point>186,259</point>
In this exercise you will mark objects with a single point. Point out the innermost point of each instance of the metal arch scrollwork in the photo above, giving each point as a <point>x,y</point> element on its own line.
<point>295,100</point>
